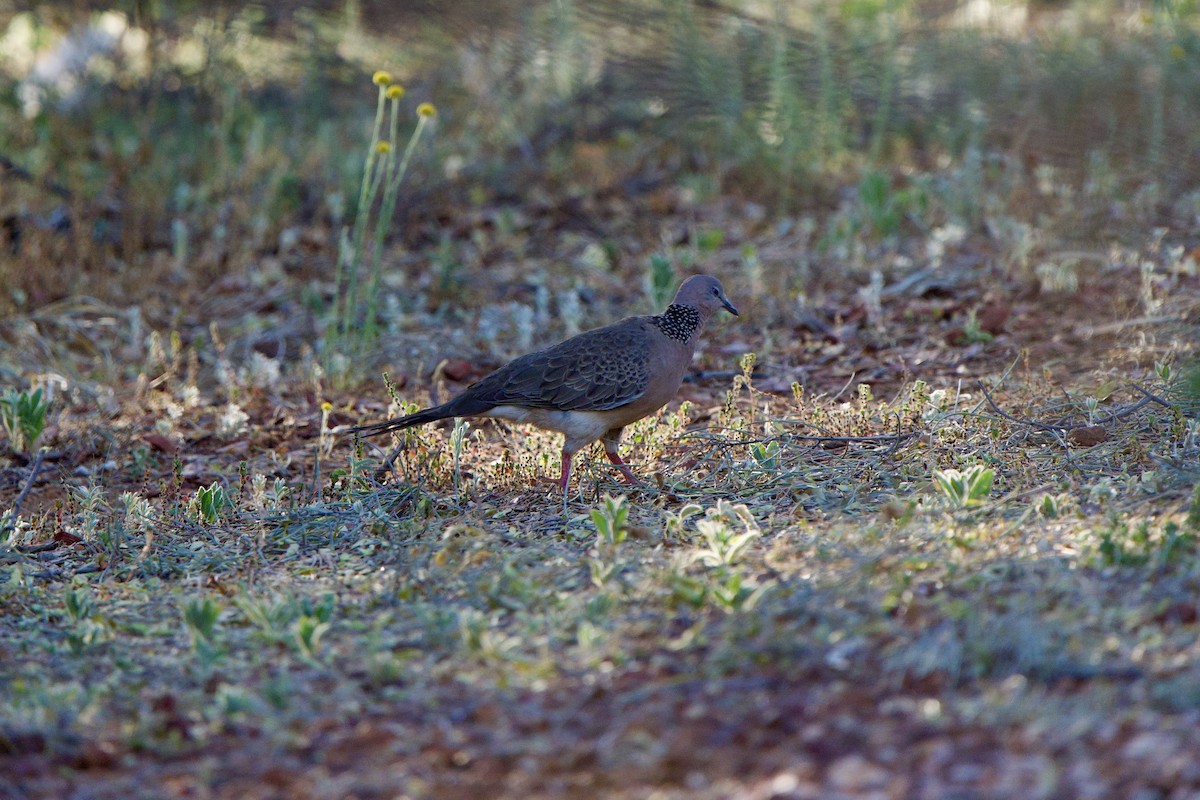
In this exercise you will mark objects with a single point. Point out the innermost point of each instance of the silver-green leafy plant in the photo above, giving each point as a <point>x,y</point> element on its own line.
<point>312,625</point>
<point>661,281</point>
<point>457,439</point>
<point>727,531</point>
<point>79,604</point>
<point>210,503</point>
<point>610,520</point>
<point>200,618</point>
<point>23,417</point>
<point>765,454</point>
<point>964,488</point>
<point>86,629</point>
<point>139,519</point>
<point>271,617</point>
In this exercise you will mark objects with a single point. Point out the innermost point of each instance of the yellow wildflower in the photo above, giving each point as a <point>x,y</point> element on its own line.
<point>327,406</point>
<point>426,110</point>
<point>394,92</point>
<point>381,78</point>
<point>383,147</point>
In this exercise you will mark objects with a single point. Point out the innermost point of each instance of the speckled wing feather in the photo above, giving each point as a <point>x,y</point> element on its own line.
<point>595,371</point>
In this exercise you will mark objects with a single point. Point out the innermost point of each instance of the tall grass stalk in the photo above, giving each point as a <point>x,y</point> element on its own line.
<point>382,172</point>
<point>391,192</point>
<point>348,256</point>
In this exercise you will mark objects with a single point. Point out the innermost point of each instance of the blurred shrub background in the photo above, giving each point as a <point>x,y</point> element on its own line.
<point>155,145</point>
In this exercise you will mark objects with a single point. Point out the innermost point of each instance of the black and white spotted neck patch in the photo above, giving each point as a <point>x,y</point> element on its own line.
<point>678,322</point>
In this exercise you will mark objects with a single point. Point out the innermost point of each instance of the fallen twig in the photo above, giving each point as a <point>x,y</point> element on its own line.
<point>1031,423</point>
<point>1153,398</point>
<point>34,469</point>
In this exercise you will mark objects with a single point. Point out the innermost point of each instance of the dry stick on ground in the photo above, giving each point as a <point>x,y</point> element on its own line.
<point>1029,422</point>
<point>34,469</point>
<point>1059,429</point>
<point>1125,412</point>
<point>1153,398</point>
<point>884,438</point>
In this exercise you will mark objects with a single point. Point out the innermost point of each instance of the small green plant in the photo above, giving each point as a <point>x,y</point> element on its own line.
<point>883,208</point>
<point>611,531</point>
<point>23,417</point>
<point>93,509</point>
<point>610,520</point>
<point>964,488</point>
<point>272,498</point>
<point>457,438</point>
<point>209,503</point>
<point>79,604</point>
<point>270,617</point>
<point>765,454</point>
<point>972,332</point>
<point>1051,506</point>
<point>732,591</point>
<point>313,623</point>
<point>511,588</point>
<point>676,522</point>
<point>1140,545</point>
<point>661,281</point>
<point>86,630</point>
<point>728,530</point>
<point>308,634</point>
<point>688,590</point>
<point>724,542</point>
<point>200,619</point>
<point>138,519</point>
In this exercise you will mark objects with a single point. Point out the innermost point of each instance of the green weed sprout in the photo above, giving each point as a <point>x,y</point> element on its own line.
<point>86,630</point>
<point>200,619</point>
<point>79,604</point>
<point>610,520</point>
<point>661,281</point>
<point>314,621</point>
<point>724,543</point>
<point>209,503</point>
<point>612,529</point>
<point>309,632</point>
<point>23,417</point>
<point>964,488</point>
<point>728,531</point>
<point>457,440</point>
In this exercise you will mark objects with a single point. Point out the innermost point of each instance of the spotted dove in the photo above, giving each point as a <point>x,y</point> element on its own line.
<point>592,385</point>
